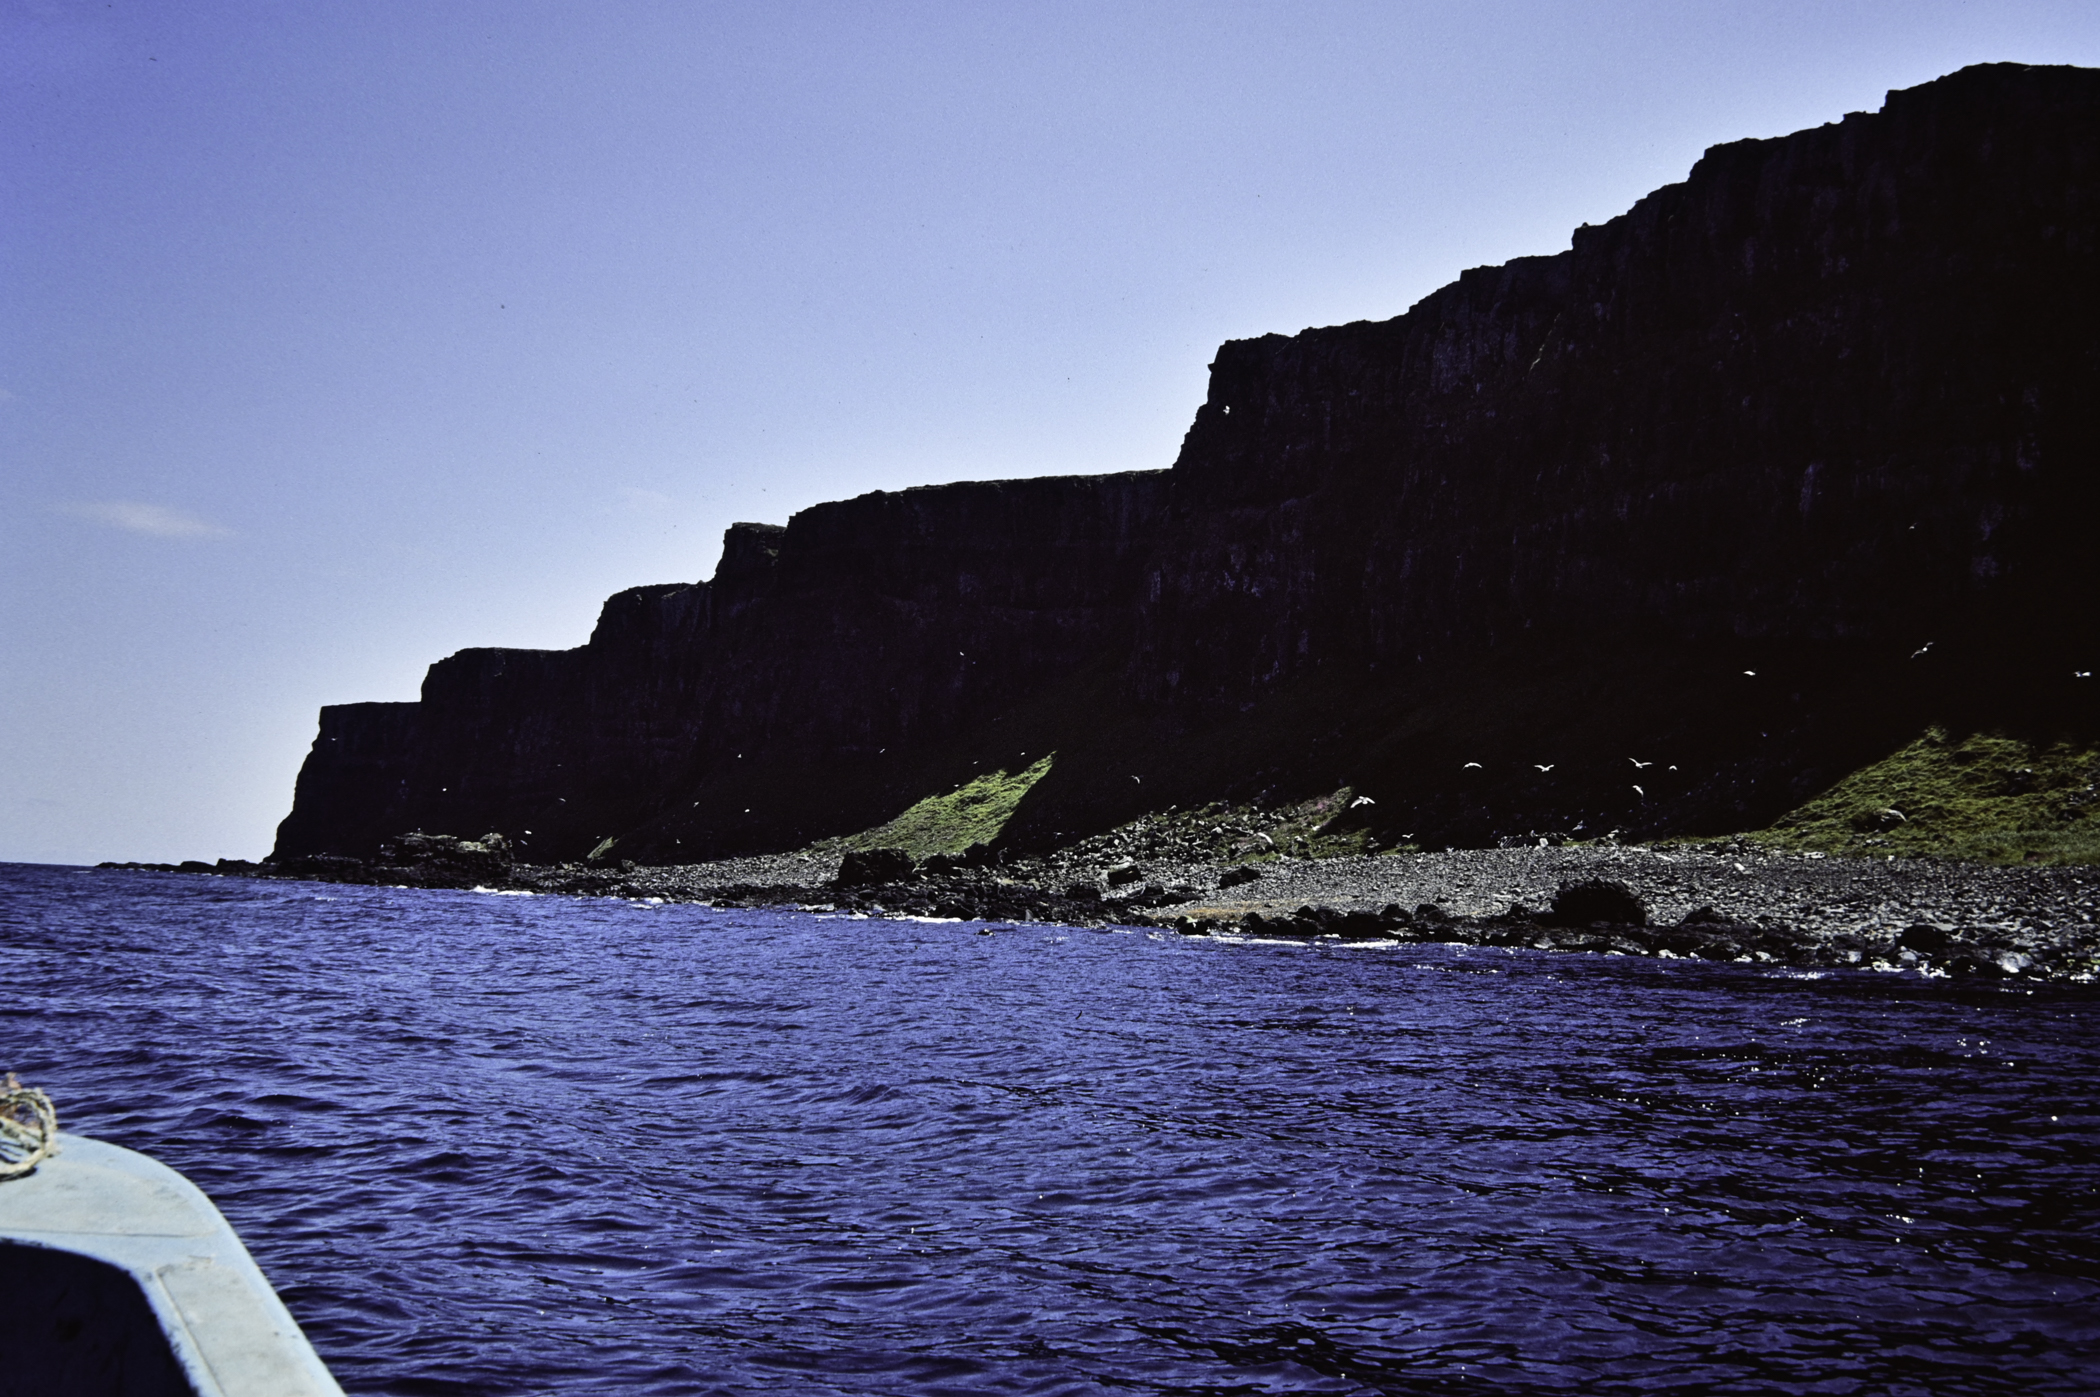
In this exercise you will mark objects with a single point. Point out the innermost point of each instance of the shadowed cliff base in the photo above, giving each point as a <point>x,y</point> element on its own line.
<point>1525,741</point>
<point>1733,900</point>
<point>1660,536</point>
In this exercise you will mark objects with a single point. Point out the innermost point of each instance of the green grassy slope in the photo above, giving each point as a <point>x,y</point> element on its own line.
<point>1982,796</point>
<point>974,813</point>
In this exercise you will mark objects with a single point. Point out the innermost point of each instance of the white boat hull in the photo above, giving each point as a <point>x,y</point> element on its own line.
<point>119,1277</point>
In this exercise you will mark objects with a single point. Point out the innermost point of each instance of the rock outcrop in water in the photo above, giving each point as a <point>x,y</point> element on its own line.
<point>1663,533</point>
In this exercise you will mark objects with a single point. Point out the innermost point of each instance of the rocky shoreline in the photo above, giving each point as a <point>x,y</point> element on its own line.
<point>1733,901</point>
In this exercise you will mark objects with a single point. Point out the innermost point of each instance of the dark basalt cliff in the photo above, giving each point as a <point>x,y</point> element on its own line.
<point>1749,484</point>
<point>780,701</point>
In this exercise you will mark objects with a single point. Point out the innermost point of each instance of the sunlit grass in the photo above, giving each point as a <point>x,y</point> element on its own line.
<point>974,813</point>
<point>1984,797</point>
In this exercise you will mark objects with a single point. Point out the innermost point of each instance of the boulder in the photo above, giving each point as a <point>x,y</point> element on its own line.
<point>866,867</point>
<point>449,855</point>
<point>1598,900</point>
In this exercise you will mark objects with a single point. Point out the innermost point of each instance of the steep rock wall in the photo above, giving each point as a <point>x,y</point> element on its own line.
<point>1828,404</point>
<point>860,627</point>
<point>1829,386</point>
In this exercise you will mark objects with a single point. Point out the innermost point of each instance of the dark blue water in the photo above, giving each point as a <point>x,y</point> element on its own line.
<point>504,1144</point>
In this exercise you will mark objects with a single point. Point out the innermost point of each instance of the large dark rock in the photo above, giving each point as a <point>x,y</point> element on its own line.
<point>862,868</point>
<point>487,857</point>
<point>1598,900</point>
<point>1650,535</point>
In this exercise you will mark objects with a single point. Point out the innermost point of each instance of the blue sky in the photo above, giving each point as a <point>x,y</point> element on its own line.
<point>335,337</point>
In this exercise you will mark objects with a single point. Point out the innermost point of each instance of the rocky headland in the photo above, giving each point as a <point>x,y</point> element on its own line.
<point>1664,534</point>
<point>1766,508</point>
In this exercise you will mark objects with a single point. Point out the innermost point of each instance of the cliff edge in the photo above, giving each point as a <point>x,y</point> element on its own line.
<point>1665,533</point>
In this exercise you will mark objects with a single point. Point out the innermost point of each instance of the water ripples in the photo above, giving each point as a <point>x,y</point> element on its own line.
<point>496,1145</point>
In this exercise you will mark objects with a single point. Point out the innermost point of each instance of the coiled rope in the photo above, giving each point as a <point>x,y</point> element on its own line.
<point>28,1128</point>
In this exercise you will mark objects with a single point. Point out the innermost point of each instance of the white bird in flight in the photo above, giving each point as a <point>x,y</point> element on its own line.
<point>1639,765</point>
<point>1471,766</point>
<point>1544,766</point>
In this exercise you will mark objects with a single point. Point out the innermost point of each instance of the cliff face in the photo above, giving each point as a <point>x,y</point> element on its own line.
<point>1829,386</point>
<point>1827,403</point>
<point>875,625</point>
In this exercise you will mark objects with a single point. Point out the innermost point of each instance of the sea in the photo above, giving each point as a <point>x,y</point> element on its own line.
<point>486,1143</point>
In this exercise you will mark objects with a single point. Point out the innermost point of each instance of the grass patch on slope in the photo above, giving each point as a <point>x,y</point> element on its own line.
<point>973,813</point>
<point>1984,797</point>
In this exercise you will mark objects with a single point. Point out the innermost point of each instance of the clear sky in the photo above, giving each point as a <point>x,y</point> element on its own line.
<point>336,336</point>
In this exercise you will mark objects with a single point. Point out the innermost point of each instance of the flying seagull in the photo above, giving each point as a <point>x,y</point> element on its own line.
<point>1544,766</point>
<point>1639,792</point>
<point>1470,766</point>
<point>1639,765</point>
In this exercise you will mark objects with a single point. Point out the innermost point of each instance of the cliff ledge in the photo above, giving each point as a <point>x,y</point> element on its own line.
<point>1665,534</point>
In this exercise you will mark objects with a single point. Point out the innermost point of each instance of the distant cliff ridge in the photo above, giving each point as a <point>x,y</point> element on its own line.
<point>891,621</point>
<point>1754,481</point>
